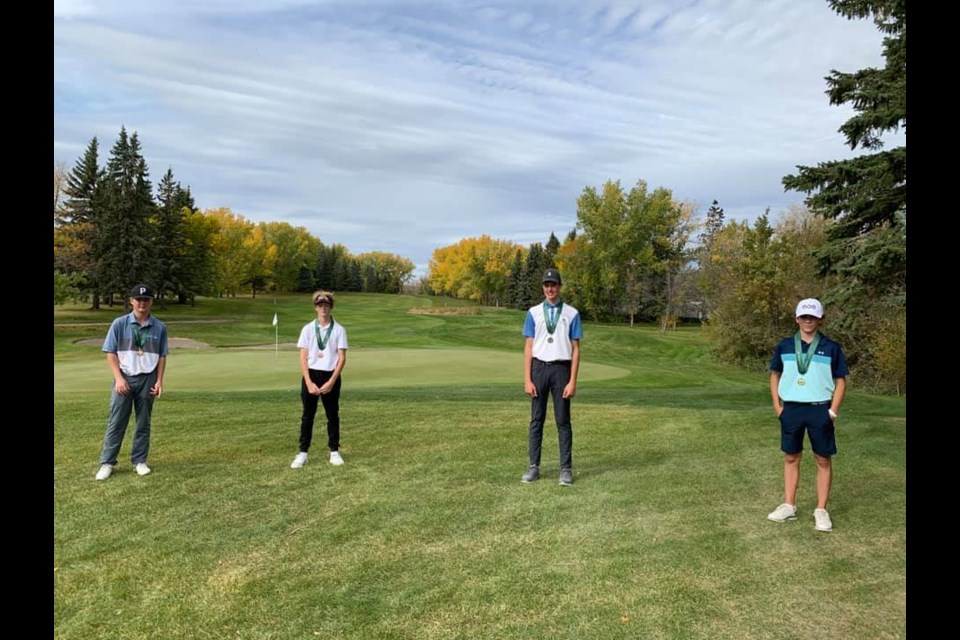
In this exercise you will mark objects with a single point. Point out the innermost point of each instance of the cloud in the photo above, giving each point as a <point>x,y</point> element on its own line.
<point>404,126</point>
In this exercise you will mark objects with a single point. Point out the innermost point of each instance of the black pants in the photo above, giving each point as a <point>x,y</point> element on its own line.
<point>550,379</point>
<point>331,406</point>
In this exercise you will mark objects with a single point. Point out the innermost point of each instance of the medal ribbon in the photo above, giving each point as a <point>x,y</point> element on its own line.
<point>803,361</point>
<point>140,335</point>
<point>550,318</point>
<point>322,339</point>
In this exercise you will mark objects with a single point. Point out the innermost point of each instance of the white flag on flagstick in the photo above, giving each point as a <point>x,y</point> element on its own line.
<point>275,320</point>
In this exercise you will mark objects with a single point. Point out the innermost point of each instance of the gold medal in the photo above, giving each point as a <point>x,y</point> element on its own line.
<point>801,382</point>
<point>140,352</point>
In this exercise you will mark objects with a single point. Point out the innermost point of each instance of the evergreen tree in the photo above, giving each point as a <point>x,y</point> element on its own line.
<point>550,250</point>
<point>354,278</point>
<point>170,238</point>
<point>866,196</point>
<point>305,280</point>
<point>536,265</point>
<point>125,236</point>
<point>713,224</point>
<point>75,247</point>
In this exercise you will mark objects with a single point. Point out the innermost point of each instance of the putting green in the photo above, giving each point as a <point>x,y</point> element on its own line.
<point>261,369</point>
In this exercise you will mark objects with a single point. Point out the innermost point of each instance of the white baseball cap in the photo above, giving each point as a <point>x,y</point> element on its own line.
<point>810,307</point>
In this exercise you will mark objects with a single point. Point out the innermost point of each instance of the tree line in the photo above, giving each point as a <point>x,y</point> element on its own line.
<point>633,255</point>
<point>111,228</point>
<point>640,254</point>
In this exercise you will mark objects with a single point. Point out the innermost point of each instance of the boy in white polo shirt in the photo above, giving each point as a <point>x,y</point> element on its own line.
<point>808,380</point>
<point>323,354</point>
<point>551,360</point>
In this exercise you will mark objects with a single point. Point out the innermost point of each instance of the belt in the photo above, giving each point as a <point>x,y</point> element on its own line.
<point>808,404</point>
<point>552,361</point>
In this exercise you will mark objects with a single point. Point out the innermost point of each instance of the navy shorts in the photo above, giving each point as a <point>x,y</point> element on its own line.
<point>814,419</point>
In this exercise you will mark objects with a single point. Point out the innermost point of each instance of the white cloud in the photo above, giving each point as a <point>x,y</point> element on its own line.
<point>405,125</point>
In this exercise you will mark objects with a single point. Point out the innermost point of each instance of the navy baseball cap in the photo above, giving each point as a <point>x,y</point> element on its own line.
<point>552,275</point>
<point>141,291</point>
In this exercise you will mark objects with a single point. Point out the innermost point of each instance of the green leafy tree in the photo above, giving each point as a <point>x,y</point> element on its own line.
<point>760,272</point>
<point>632,241</point>
<point>296,250</point>
<point>384,272</point>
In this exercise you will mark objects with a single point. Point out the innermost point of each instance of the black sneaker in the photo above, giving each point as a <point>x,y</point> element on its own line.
<point>566,477</point>
<point>532,474</point>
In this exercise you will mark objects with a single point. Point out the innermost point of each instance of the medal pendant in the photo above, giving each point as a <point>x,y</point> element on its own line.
<point>549,339</point>
<point>801,382</point>
<point>140,352</point>
<point>320,355</point>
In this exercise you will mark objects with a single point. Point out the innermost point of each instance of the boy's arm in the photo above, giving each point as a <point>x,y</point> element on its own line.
<point>119,381</point>
<point>839,391</point>
<point>157,389</point>
<point>305,372</point>
<point>528,387</point>
<point>341,361</point>
<point>775,392</point>
<point>571,389</point>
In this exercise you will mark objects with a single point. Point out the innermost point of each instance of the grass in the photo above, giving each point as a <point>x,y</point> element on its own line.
<point>426,532</point>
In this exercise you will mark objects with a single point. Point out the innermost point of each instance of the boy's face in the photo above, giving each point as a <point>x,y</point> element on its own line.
<point>141,305</point>
<point>552,291</point>
<point>323,308</point>
<point>808,324</point>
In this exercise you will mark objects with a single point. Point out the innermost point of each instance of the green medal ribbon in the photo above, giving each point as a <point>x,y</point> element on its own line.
<point>551,319</point>
<point>322,339</point>
<point>140,335</point>
<point>803,361</point>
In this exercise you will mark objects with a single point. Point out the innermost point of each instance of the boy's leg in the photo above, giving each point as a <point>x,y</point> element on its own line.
<point>143,409</point>
<point>792,430</point>
<point>823,441</point>
<point>824,480</point>
<point>561,413</point>
<point>331,407</point>
<point>309,413</point>
<point>538,410</point>
<point>117,419</point>
<point>791,476</point>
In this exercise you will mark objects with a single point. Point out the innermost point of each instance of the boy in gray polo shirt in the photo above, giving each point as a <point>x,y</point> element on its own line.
<point>136,348</point>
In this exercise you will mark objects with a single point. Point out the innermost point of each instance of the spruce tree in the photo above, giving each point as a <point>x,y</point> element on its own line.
<point>534,273</point>
<point>125,235</point>
<point>76,227</point>
<point>866,196</point>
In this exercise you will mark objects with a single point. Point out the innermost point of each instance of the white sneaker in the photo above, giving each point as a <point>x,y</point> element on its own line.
<point>142,468</point>
<point>299,461</point>
<point>822,520</point>
<point>104,471</point>
<point>335,458</point>
<point>783,513</point>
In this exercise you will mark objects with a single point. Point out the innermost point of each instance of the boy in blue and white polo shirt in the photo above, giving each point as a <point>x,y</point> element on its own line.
<point>808,380</point>
<point>551,360</point>
<point>136,348</point>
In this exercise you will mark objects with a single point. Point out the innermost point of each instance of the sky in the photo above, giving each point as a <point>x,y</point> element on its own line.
<point>405,126</point>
